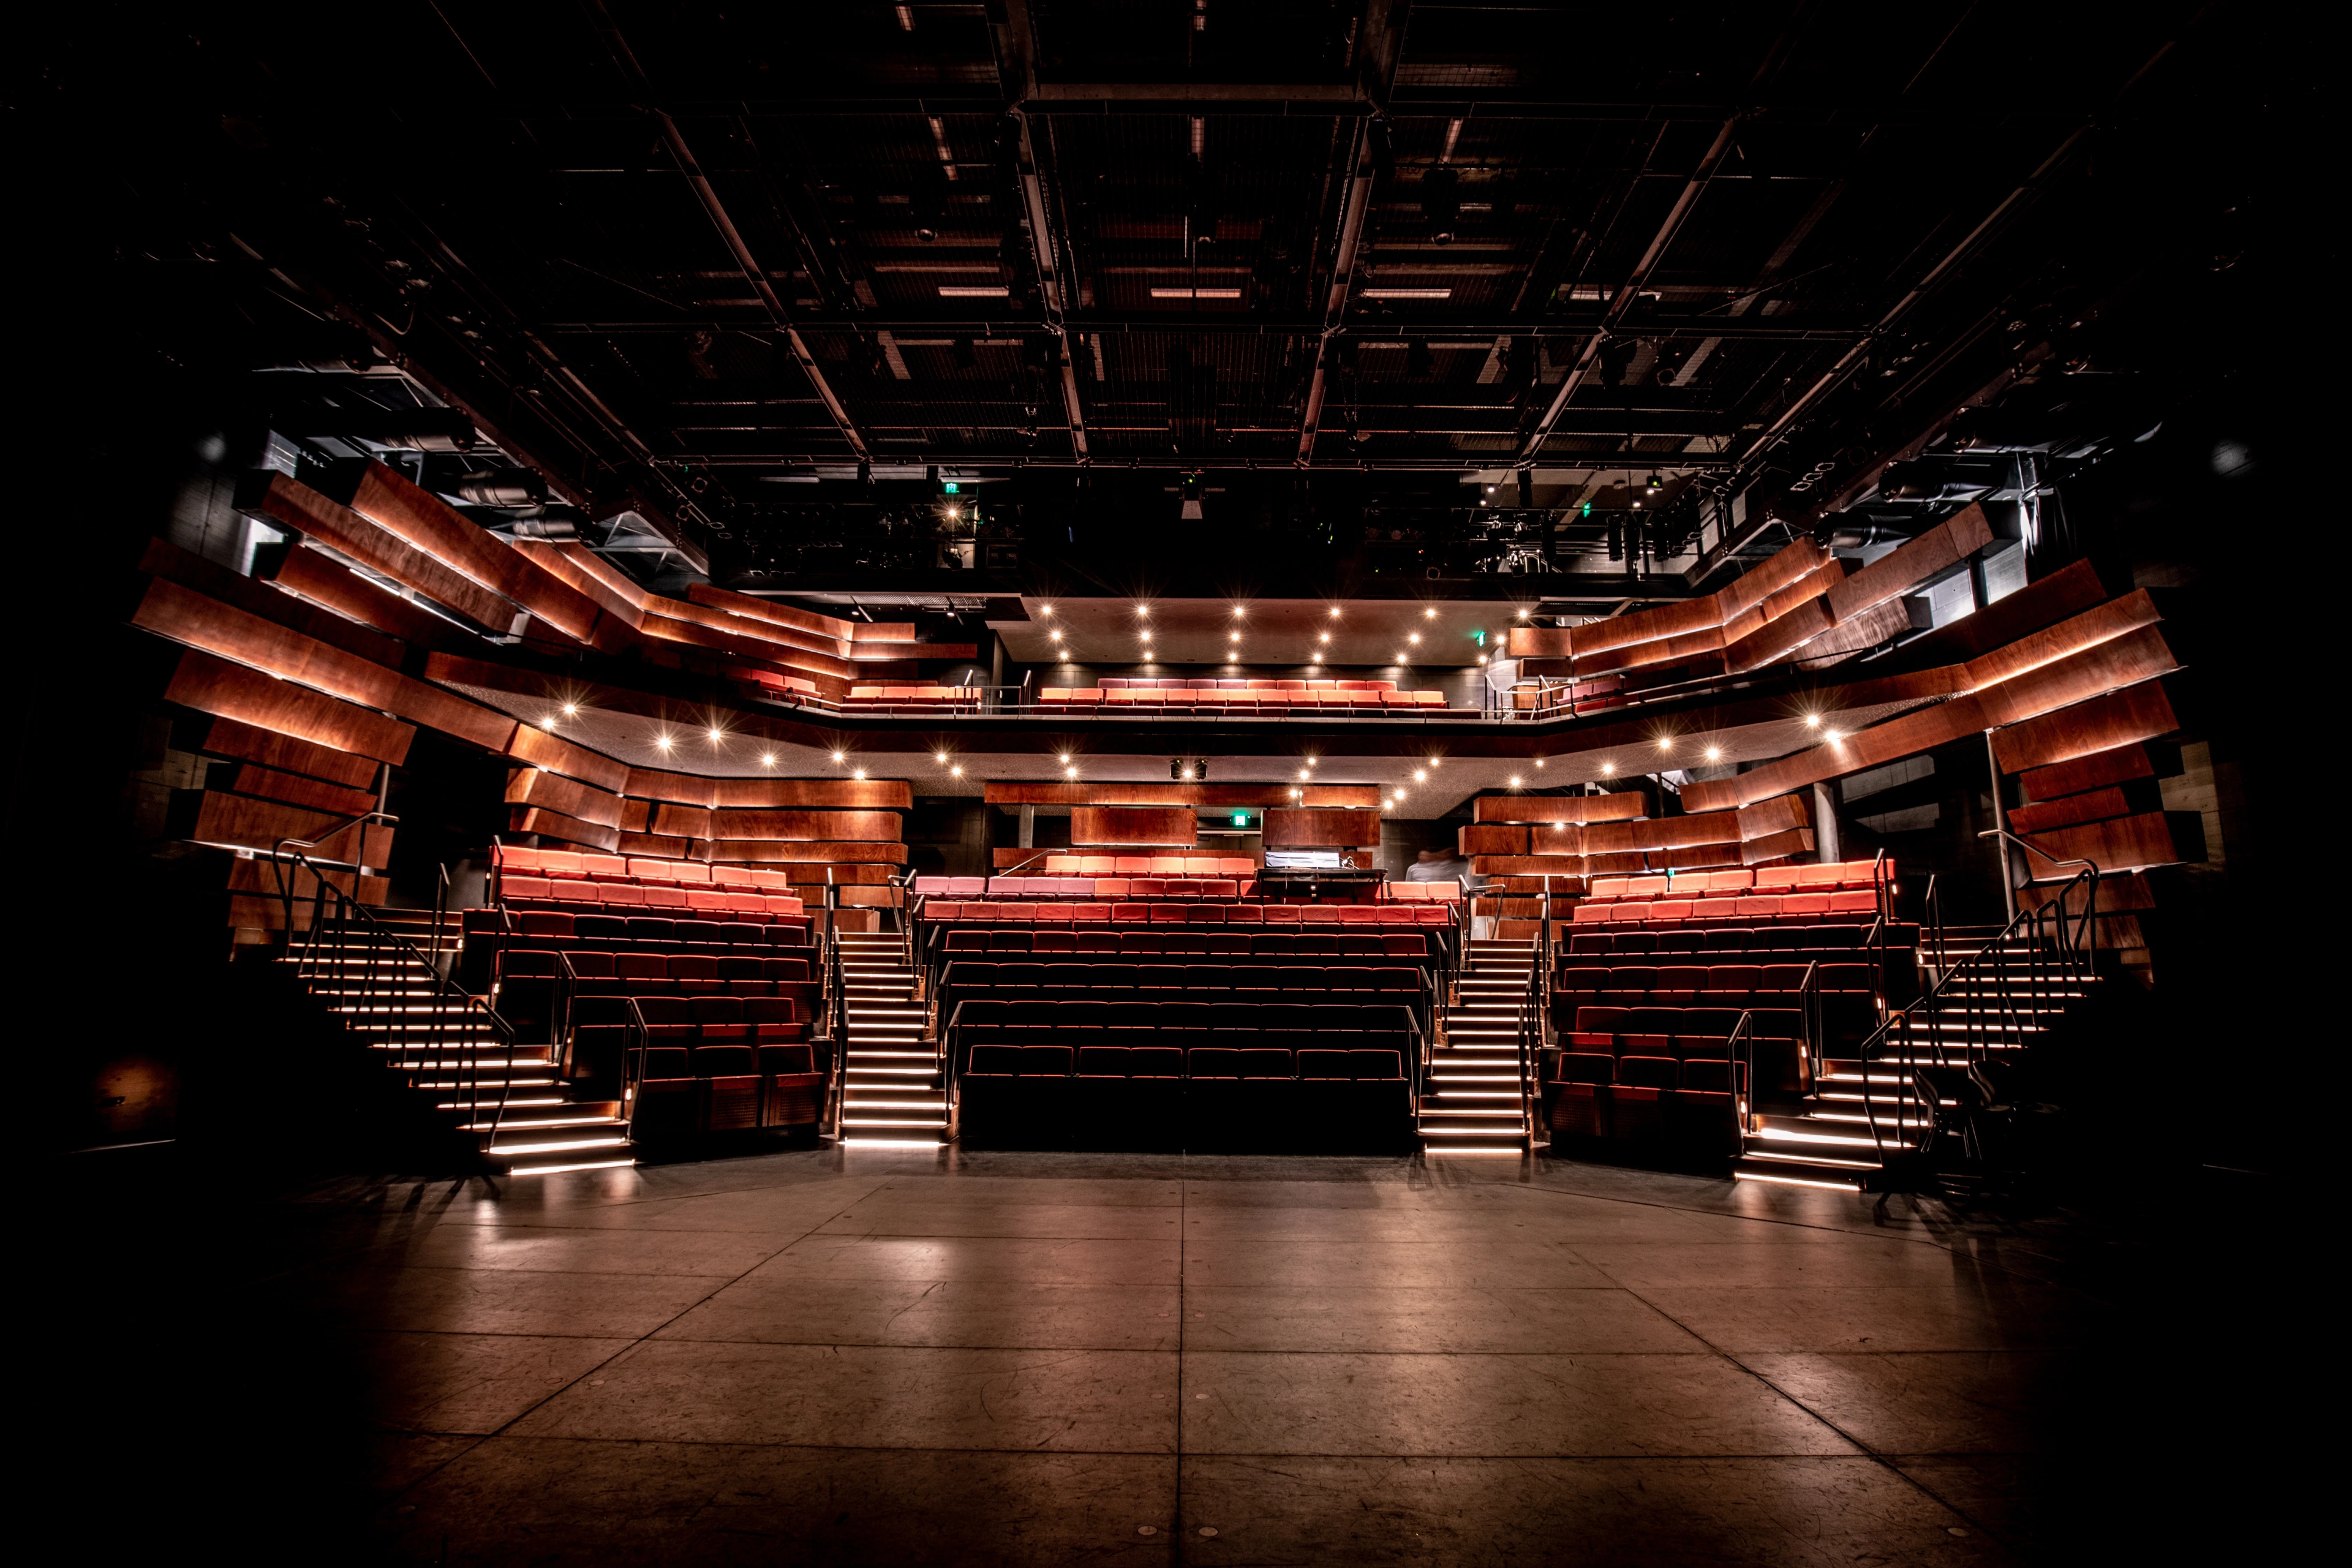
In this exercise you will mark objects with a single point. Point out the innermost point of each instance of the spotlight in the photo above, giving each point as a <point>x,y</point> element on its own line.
<point>1523,615</point>
<point>840,756</point>
<point>1429,614</point>
<point>955,772</point>
<point>1837,734</point>
<point>717,735</point>
<point>1399,657</point>
<point>571,711</point>
<point>1514,781</point>
<point>1714,753</point>
<point>1147,636</point>
<point>1237,612</point>
<point>1413,636</point>
<point>1302,772</point>
<point>1064,756</point>
<point>1665,743</point>
<point>1812,721</point>
<point>1324,637</point>
<point>1482,659</point>
<point>1607,769</point>
<point>1434,760</point>
<point>662,742</point>
<point>1420,775</point>
<point>1335,612</point>
<point>1311,761</point>
<point>1540,761</point>
<point>1056,635</point>
<point>857,772</point>
<point>1044,609</point>
<point>939,756</point>
<point>1144,610</point>
<point>767,759</point>
<point>1069,773</point>
<point>549,722</point>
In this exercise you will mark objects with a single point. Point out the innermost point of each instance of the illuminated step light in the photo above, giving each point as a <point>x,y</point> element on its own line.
<point>563,1148</point>
<point>973,291</point>
<point>1408,293</point>
<point>1794,1182</point>
<point>889,1142</point>
<point>1466,1149</point>
<point>1196,293</point>
<point>558,1170</point>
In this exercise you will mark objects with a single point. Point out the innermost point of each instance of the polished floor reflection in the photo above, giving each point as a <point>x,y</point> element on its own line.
<point>869,1356</point>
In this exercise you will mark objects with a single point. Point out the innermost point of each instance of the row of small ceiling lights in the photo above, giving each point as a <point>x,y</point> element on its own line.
<point>1234,637</point>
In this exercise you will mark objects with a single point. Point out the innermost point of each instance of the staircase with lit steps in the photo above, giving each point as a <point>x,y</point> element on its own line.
<point>460,1062</point>
<point>1474,1103</point>
<point>1828,1141</point>
<point>892,1091</point>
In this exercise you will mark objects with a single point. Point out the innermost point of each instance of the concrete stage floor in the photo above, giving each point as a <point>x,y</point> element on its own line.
<point>866,1356</point>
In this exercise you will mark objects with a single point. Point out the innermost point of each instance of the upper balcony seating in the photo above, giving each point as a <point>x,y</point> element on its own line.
<point>1769,892</point>
<point>583,881</point>
<point>929,698</point>
<point>1356,698</point>
<point>1596,695</point>
<point>1285,946</point>
<point>1135,913</point>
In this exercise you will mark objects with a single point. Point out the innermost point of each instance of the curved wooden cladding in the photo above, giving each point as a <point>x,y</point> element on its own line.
<point>1211,795</point>
<point>558,755</point>
<point>831,653</point>
<point>2122,891</point>
<point>1693,857</point>
<point>2144,713</point>
<point>773,852</point>
<point>233,691</point>
<point>530,786</point>
<point>252,824</point>
<point>839,795</point>
<point>170,611</point>
<point>230,738</point>
<point>2066,593</point>
<point>810,874</point>
<point>1881,623</point>
<point>580,569</point>
<point>1116,826</point>
<point>659,846</point>
<point>423,521</point>
<point>789,616</point>
<point>1779,846</point>
<point>1308,827</point>
<point>2120,843</point>
<point>1903,569</point>
<point>293,789</point>
<point>2100,768</point>
<point>310,575</point>
<point>193,572</point>
<point>1559,808</point>
<point>1640,835</point>
<point>258,876</point>
<point>550,824</point>
<point>2111,662</point>
<point>2093,806</point>
<point>744,644</point>
<point>807,826</point>
<point>1648,834</point>
<point>314,516</point>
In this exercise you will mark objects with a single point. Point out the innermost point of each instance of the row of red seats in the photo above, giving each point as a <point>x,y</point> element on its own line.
<point>591,867</point>
<point>1749,907</point>
<point>1638,981</point>
<point>967,976</point>
<point>685,1091</point>
<point>1171,943</point>
<point>1082,865</point>
<point>1828,876</point>
<point>1193,914</point>
<point>585,895</point>
<point>1643,1097</point>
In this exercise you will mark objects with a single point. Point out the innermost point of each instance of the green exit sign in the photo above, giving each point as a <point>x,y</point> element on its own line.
<point>952,488</point>
<point>1241,819</point>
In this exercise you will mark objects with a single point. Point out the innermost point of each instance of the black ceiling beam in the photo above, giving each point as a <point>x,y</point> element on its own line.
<point>1459,463</point>
<point>753,273</point>
<point>1017,72</point>
<point>1776,329</point>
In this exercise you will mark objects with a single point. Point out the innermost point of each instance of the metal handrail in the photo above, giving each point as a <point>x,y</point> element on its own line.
<point>2087,924</point>
<point>349,913</point>
<point>357,867</point>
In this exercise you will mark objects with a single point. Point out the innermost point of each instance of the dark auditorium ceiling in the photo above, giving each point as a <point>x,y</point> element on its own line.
<point>1419,292</point>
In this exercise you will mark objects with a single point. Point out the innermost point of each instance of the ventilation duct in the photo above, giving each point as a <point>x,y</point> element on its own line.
<point>503,487</point>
